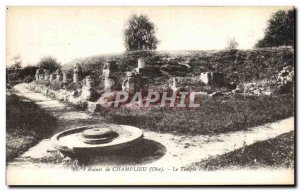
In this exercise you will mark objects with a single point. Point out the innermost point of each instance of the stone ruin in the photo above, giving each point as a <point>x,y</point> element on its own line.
<point>46,74</point>
<point>212,78</point>
<point>76,72</point>
<point>37,74</point>
<point>88,81</point>
<point>51,77</point>
<point>59,76</point>
<point>108,73</point>
<point>257,88</point>
<point>64,77</point>
<point>234,81</point>
<point>87,141</point>
<point>141,67</point>
<point>173,84</point>
<point>284,84</point>
<point>88,93</point>
<point>285,80</point>
<point>132,83</point>
<point>286,75</point>
<point>41,77</point>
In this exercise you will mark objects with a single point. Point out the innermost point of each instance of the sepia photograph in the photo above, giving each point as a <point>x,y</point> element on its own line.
<point>150,95</point>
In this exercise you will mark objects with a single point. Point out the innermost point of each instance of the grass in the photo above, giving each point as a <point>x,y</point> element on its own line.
<point>252,65</point>
<point>276,152</point>
<point>26,124</point>
<point>214,116</point>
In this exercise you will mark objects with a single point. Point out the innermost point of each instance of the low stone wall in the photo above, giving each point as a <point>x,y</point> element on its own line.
<point>259,88</point>
<point>85,99</point>
<point>283,84</point>
<point>80,100</point>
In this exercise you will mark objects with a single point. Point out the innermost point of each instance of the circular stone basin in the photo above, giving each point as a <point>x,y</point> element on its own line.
<point>98,135</point>
<point>95,138</point>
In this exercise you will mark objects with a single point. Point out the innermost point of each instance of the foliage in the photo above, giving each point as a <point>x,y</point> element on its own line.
<point>280,30</point>
<point>251,65</point>
<point>276,152</point>
<point>28,71</point>
<point>232,44</point>
<point>140,34</point>
<point>20,75</point>
<point>16,64</point>
<point>49,63</point>
<point>32,125</point>
<point>215,116</point>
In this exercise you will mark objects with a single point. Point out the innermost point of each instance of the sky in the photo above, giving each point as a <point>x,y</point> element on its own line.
<point>72,32</point>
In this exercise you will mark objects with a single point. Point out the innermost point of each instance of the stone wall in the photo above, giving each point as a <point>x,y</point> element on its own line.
<point>212,78</point>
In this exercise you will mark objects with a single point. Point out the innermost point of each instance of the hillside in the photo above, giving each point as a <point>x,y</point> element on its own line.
<point>251,65</point>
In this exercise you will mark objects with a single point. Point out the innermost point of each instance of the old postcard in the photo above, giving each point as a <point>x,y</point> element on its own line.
<point>150,96</point>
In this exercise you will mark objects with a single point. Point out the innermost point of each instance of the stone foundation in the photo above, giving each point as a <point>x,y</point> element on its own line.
<point>77,98</point>
<point>212,78</point>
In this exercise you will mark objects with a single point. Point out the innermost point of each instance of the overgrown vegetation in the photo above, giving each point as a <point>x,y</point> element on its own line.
<point>26,124</point>
<point>49,63</point>
<point>232,44</point>
<point>215,116</point>
<point>16,75</point>
<point>251,65</point>
<point>280,30</point>
<point>139,34</point>
<point>276,152</point>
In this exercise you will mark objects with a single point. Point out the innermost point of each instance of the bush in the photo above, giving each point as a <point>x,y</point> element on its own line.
<point>28,71</point>
<point>49,63</point>
<point>232,44</point>
<point>280,30</point>
<point>20,75</point>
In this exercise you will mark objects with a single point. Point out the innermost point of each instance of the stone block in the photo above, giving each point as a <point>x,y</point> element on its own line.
<point>141,63</point>
<point>212,78</point>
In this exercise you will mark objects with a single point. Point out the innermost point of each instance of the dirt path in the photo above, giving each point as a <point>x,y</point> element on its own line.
<point>159,150</point>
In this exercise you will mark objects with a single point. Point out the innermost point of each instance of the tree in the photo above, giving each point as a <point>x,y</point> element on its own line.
<point>28,71</point>
<point>17,62</point>
<point>140,34</point>
<point>280,30</point>
<point>232,44</point>
<point>49,63</point>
